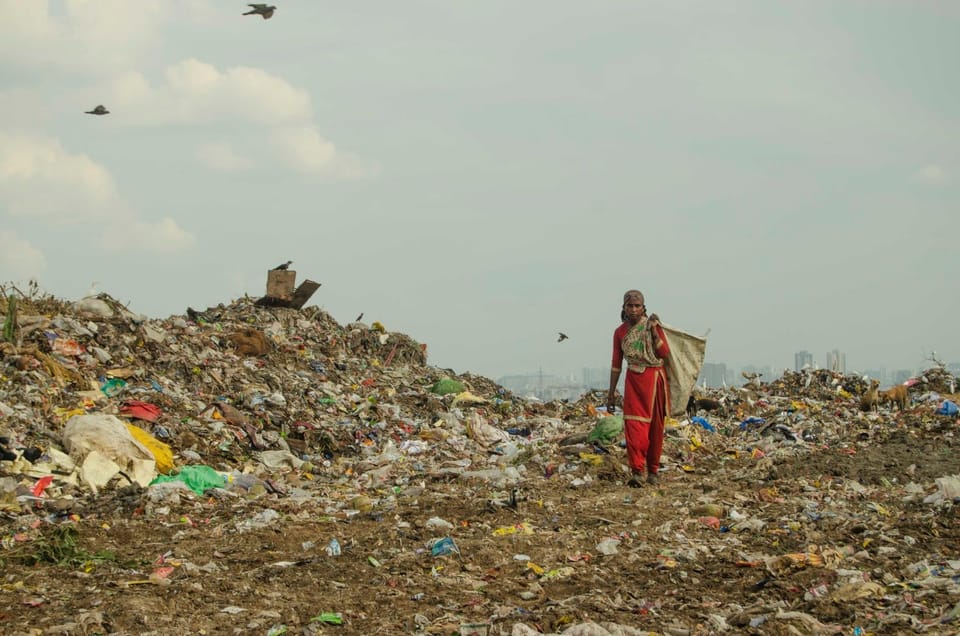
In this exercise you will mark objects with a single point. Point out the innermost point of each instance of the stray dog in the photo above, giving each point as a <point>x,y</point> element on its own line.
<point>895,395</point>
<point>694,404</point>
<point>868,402</point>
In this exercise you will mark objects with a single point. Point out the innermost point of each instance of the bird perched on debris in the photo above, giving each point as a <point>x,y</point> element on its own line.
<point>99,110</point>
<point>562,337</point>
<point>753,379</point>
<point>359,318</point>
<point>284,266</point>
<point>264,10</point>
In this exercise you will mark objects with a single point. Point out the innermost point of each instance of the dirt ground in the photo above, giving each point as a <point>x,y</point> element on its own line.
<point>124,565</point>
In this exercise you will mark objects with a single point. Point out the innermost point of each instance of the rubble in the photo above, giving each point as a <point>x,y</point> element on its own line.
<point>295,475</point>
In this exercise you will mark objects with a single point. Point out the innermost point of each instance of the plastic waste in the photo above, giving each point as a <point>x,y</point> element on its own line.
<point>704,424</point>
<point>161,452</point>
<point>103,446</point>
<point>606,430</point>
<point>198,478</point>
<point>260,520</point>
<point>443,547</point>
<point>333,548</point>
<point>113,387</point>
<point>608,546</point>
<point>443,386</point>
<point>947,408</point>
<point>331,618</point>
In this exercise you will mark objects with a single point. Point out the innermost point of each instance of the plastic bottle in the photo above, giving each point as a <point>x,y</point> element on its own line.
<point>333,548</point>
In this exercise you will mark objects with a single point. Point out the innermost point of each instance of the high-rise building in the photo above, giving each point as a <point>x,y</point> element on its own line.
<point>802,359</point>
<point>900,376</point>
<point>837,361</point>
<point>596,378</point>
<point>713,374</point>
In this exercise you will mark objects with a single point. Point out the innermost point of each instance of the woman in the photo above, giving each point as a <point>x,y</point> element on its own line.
<point>640,340</point>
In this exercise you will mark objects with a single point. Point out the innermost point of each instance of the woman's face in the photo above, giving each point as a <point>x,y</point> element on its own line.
<point>634,309</point>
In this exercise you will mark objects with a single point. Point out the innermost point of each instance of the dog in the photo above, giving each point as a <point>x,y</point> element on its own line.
<point>694,404</point>
<point>895,395</point>
<point>868,402</point>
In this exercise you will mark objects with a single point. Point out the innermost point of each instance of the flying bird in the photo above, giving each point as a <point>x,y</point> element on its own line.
<point>264,10</point>
<point>283,266</point>
<point>359,318</point>
<point>99,110</point>
<point>562,337</point>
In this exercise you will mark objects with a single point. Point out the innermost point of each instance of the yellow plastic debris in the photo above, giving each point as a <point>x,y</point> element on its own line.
<point>520,528</point>
<point>161,452</point>
<point>468,399</point>
<point>592,458</point>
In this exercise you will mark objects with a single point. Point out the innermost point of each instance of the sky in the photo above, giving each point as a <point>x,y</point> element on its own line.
<point>482,176</point>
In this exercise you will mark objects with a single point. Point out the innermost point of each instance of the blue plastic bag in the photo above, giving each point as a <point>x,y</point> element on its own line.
<point>444,547</point>
<point>947,408</point>
<point>702,421</point>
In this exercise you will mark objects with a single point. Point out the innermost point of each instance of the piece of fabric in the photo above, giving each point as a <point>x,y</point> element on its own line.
<point>656,348</point>
<point>141,410</point>
<point>684,362</point>
<point>639,346</point>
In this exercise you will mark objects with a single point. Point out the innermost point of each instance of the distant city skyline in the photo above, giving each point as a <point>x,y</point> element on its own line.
<point>550,384</point>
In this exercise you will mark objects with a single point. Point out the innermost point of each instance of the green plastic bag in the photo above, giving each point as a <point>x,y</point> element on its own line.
<point>606,430</point>
<point>198,478</point>
<point>332,618</point>
<point>444,386</point>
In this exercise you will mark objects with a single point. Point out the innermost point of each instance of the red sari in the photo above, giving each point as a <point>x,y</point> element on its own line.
<point>646,394</point>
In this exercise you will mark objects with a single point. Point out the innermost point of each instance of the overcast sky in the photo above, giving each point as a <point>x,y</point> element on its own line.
<point>482,175</point>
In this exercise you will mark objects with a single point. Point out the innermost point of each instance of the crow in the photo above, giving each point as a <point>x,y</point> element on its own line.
<point>264,10</point>
<point>562,337</point>
<point>359,318</point>
<point>283,266</point>
<point>99,110</point>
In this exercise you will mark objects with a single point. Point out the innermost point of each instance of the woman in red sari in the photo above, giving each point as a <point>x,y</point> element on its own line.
<point>641,343</point>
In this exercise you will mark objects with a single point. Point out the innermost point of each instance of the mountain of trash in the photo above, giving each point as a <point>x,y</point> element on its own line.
<point>222,383</point>
<point>295,475</point>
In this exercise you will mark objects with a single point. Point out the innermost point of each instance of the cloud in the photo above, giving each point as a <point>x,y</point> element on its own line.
<point>132,234</point>
<point>222,158</point>
<point>303,149</point>
<point>95,36</point>
<point>931,174</point>
<point>197,93</point>
<point>25,106</point>
<point>194,92</point>
<point>18,258</point>
<point>40,180</point>
<point>89,35</point>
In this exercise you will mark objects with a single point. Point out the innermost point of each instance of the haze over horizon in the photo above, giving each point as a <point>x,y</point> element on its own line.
<point>481,177</point>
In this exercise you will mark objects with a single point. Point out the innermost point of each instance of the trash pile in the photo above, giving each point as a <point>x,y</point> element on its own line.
<point>295,475</point>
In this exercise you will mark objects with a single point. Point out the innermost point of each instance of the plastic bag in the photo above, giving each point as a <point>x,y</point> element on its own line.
<point>947,408</point>
<point>198,478</point>
<point>606,430</point>
<point>444,386</point>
